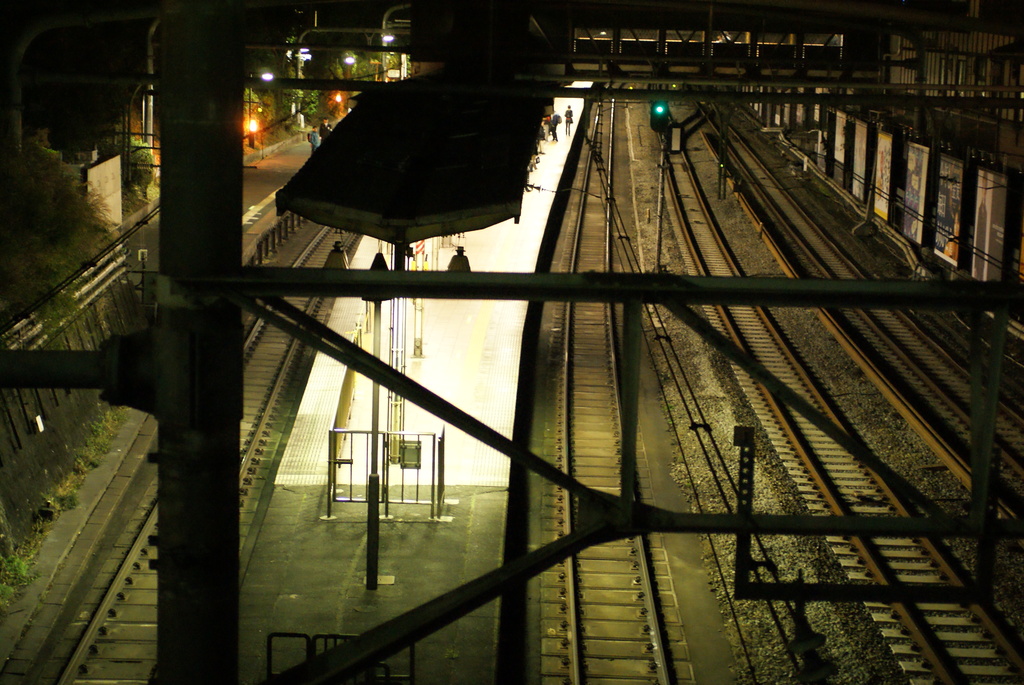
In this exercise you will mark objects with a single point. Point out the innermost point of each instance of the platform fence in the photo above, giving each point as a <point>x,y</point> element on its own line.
<point>411,468</point>
<point>286,649</point>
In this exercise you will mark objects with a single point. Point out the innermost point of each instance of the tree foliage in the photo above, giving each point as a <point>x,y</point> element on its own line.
<point>49,227</point>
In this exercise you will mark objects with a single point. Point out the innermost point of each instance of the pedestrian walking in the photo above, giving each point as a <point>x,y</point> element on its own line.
<point>314,139</point>
<point>568,120</point>
<point>324,130</point>
<point>556,119</point>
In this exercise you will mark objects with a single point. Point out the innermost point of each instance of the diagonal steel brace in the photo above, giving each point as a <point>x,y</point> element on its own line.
<point>762,375</point>
<point>320,337</point>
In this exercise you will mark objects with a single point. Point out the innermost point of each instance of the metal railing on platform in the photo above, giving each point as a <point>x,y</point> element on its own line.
<point>412,468</point>
<point>399,669</point>
<point>269,241</point>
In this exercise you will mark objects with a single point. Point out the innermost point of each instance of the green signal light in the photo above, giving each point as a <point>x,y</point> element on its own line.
<point>660,116</point>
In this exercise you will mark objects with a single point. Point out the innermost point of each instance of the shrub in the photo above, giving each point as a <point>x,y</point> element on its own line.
<point>50,223</point>
<point>14,573</point>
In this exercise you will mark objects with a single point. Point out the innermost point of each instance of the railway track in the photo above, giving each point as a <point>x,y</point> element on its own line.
<point>115,636</point>
<point>608,612</point>
<point>928,383</point>
<point>933,643</point>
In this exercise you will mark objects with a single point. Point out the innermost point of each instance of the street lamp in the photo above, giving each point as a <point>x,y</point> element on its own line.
<point>253,127</point>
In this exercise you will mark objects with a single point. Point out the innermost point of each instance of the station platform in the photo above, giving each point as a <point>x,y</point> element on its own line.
<point>306,574</point>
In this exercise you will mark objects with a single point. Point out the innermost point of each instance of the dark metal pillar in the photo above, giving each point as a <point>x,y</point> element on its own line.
<point>373,480</point>
<point>724,121</point>
<point>743,437</point>
<point>630,400</point>
<point>986,371</point>
<point>198,342</point>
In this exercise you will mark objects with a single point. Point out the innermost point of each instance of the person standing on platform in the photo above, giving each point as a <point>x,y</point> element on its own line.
<point>556,119</point>
<point>542,136</point>
<point>568,120</point>
<point>325,129</point>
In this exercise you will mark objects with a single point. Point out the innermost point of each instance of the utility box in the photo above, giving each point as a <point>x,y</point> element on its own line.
<point>675,138</point>
<point>410,454</point>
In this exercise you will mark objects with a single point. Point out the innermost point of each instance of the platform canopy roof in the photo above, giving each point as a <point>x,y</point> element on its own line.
<point>404,166</point>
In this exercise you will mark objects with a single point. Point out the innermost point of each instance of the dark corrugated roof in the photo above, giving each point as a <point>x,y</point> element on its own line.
<point>407,166</point>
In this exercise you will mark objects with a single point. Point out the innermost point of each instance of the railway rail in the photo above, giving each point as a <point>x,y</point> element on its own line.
<point>116,636</point>
<point>608,612</point>
<point>928,383</point>
<point>934,642</point>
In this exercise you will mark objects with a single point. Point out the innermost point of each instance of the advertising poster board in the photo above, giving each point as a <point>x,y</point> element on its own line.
<point>947,209</point>
<point>883,175</point>
<point>1020,265</point>
<point>989,216</point>
<point>839,154</point>
<point>917,177</point>
<point>860,159</point>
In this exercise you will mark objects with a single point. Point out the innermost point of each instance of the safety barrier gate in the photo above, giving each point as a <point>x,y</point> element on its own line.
<point>410,464</point>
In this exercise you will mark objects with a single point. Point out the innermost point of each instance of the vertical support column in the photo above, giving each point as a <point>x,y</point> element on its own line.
<point>743,437</point>
<point>724,120</point>
<point>332,469</point>
<point>629,387</point>
<point>708,68</point>
<point>373,483</point>
<point>199,343</point>
<point>417,325</point>
<point>986,370</point>
<point>662,168</point>
<point>440,474</point>
<point>867,226</point>
<point>148,131</point>
<point>610,206</point>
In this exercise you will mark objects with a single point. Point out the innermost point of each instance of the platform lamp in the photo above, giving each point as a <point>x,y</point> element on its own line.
<point>337,258</point>
<point>373,481</point>
<point>459,262</point>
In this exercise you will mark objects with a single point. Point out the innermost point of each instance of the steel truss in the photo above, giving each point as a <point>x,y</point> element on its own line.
<point>187,368</point>
<point>118,367</point>
<point>609,517</point>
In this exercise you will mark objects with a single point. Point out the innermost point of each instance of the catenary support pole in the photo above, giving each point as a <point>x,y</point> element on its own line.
<point>198,342</point>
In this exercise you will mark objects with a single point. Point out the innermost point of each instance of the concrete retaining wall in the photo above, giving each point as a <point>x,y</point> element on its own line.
<point>42,430</point>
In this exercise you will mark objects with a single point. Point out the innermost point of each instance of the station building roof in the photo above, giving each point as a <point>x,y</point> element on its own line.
<point>404,166</point>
